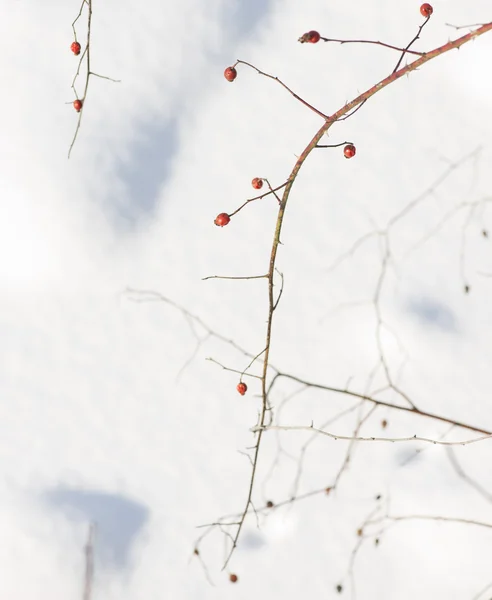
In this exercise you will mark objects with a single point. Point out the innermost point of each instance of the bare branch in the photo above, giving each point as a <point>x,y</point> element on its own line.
<point>413,438</point>
<point>318,112</point>
<point>404,50</point>
<point>89,562</point>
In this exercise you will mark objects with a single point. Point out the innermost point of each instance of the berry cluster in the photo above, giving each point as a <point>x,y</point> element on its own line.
<point>223,219</point>
<point>230,74</point>
<point>75,48</point>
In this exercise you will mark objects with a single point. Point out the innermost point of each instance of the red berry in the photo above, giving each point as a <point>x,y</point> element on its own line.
<point>230,73</point>
<point>313,37</point>
<point>257,183</point>
<point>222,219</point>
<point>349,151</point>
<point>75,48</point>
<point>77,105</point>
<point>426,10</point>
<point>233,578</point>
<point>242,388</point>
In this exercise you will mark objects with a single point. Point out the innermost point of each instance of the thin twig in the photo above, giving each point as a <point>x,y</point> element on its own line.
<point>459,470</point>
<point>421,413</point>
<point>351,438</point>
<point>318,112</point>
<point>87,55</point>
<point>406,50</point>
<point>431,518</point>
<point>227,277</point>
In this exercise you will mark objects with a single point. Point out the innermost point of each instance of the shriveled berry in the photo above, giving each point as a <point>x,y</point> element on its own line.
<point>230,73</point>
<point>75,48</point>
<point>242,388</point>
<point>77,104</point>
<point>311,37</point>
<point>349,151</point>
<point>257,183</point>
<point>222,219</point>
<point>233,578</point>
<point>426,10</point>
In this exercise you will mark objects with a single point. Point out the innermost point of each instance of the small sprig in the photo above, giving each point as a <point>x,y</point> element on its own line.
<point>76,48</point>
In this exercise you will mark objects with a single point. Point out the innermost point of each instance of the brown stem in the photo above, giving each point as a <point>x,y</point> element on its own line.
<point>373,42</point>
<point>408,409</point>
<point>318,112</point>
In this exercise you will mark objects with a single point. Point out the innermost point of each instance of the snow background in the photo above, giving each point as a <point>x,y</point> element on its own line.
<point>100,422</point>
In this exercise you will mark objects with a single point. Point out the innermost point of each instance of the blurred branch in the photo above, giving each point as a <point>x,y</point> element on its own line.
<point>89,562</point>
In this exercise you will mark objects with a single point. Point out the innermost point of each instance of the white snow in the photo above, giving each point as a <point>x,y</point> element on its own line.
<point>110,411</point>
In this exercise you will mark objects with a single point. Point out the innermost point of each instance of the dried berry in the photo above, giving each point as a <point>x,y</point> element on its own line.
<point>311,37</point>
